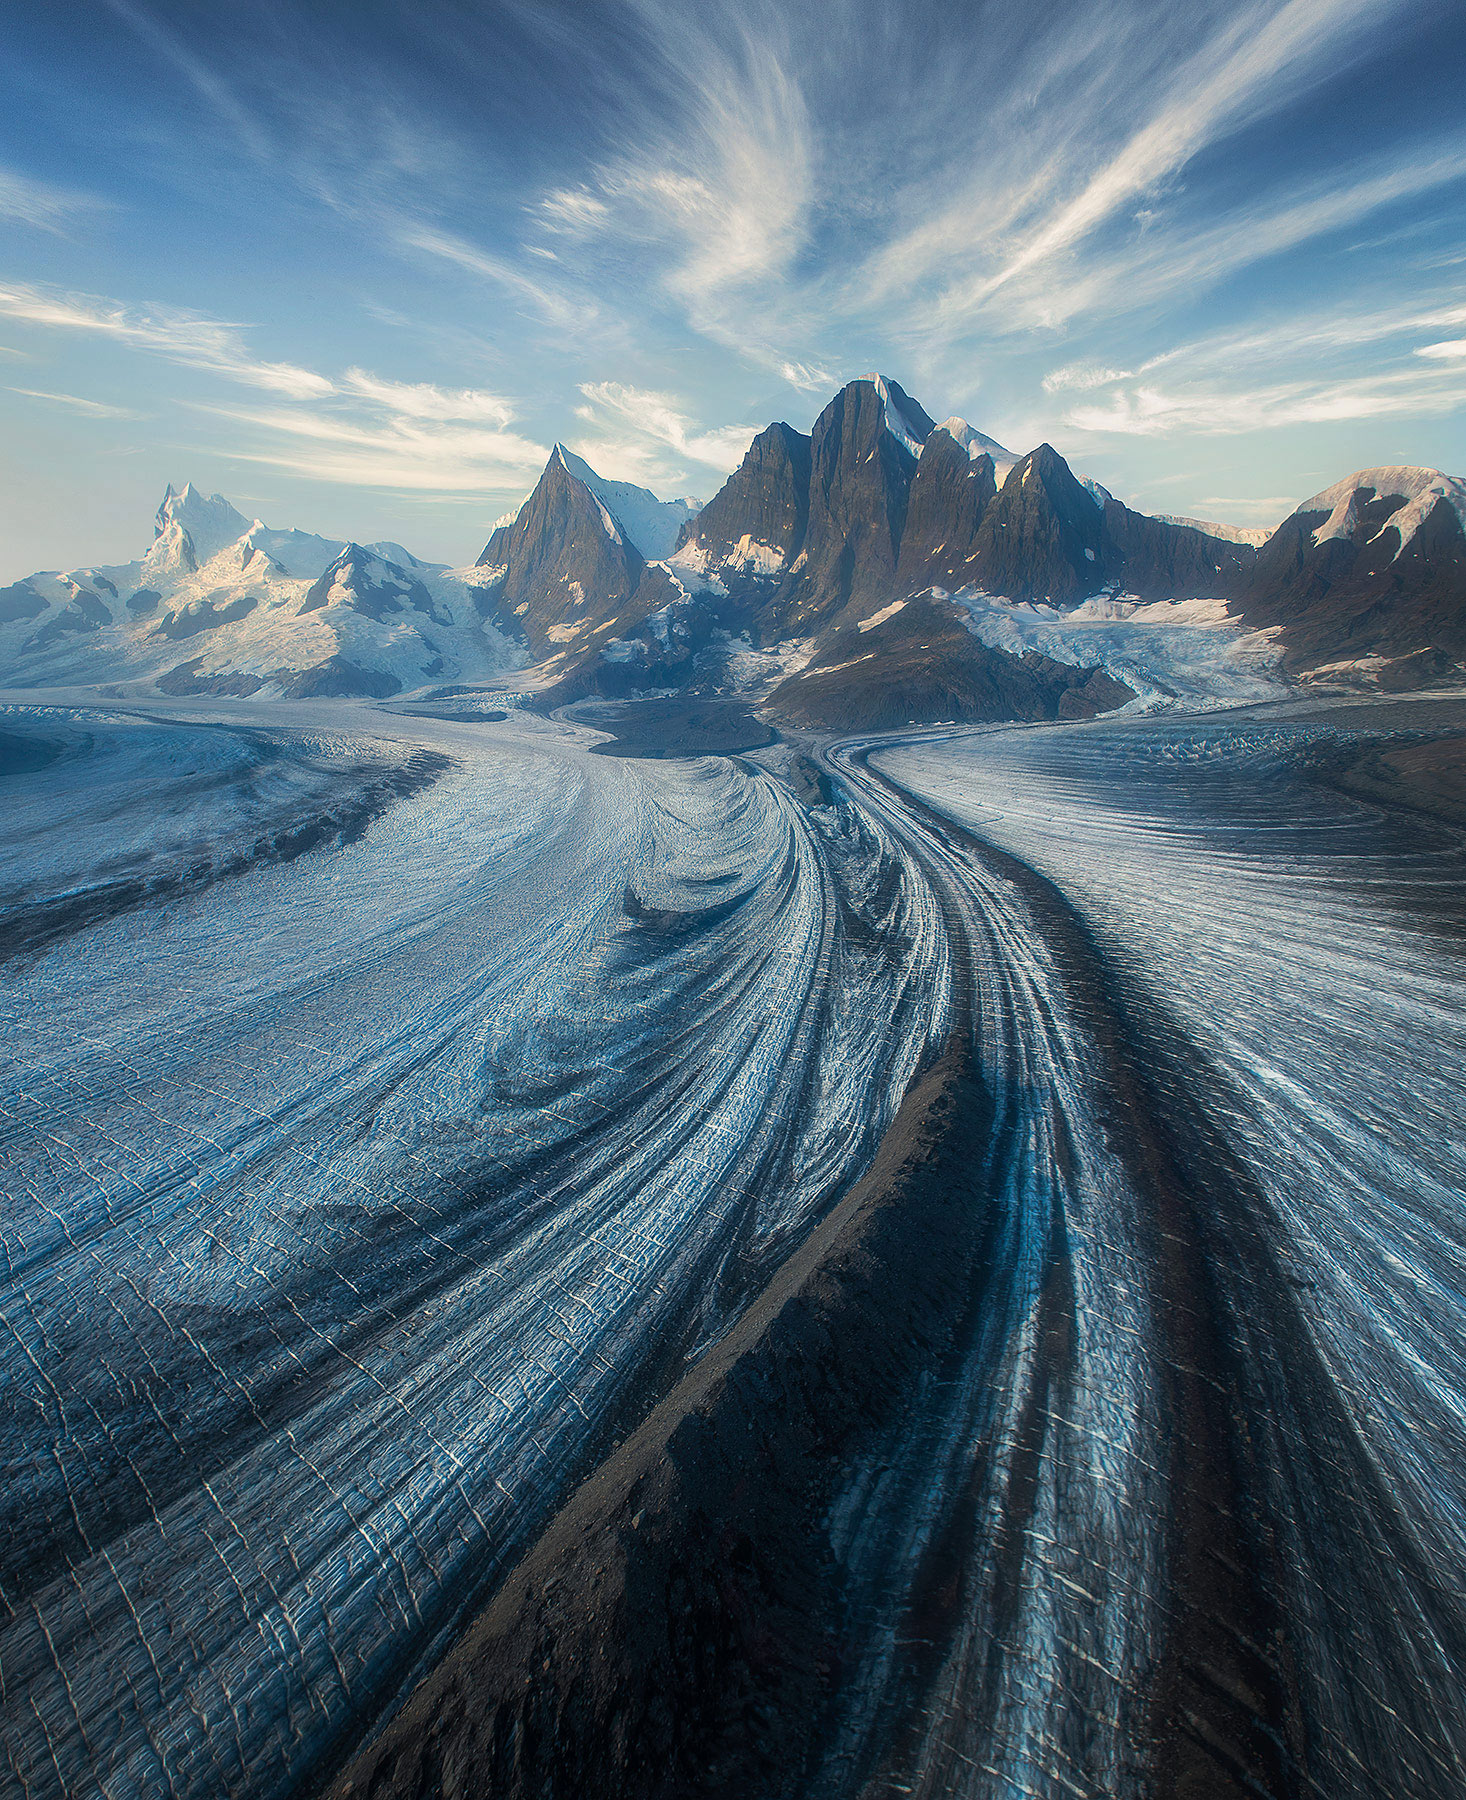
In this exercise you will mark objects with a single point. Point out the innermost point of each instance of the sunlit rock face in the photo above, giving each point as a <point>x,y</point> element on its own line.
<point>1369,576</point>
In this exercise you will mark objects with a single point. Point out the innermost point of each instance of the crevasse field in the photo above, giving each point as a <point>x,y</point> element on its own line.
<point>394,1106</point>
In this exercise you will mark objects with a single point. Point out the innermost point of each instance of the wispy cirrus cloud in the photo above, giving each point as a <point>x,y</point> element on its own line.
<point>96,409</point>
<point>658,419</point>
<point>26,201</point>
<point>1252,65</point>
<point>1303,368</point>
<point>217,94</point>
<point>358,427</point>
<point>1154,411</point>
<point>187,338</point>
<point>400,451</point>
<point>425,400</point>
<point>1081,375</point>
<point>501,272</point>
<point>573,209</point>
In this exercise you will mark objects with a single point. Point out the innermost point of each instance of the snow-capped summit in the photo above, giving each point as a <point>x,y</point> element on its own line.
<point>904,418</point>
<point>1415,492</point>
<point>221,604</point>
<point>977,443</point>
<point>652,525</point>
<point>1367,579</point>
<point>190,528</point>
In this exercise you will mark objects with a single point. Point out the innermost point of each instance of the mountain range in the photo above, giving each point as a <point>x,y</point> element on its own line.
<point>856,570</point>
<point>222,604</point>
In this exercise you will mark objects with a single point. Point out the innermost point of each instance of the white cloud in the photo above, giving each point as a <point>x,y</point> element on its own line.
<point>573,209</point>
<point>1151,411</point>
<point>401,452</point>
<point>1448,352</point>
<point>551,304</point>
<point>715,182</point>
<point>1310,335</point>
<point>808,378</point>
<point>1254,63</point>
<point>423,400</point>
<point>363,428</point>
<point>96,409</point>
<point>26,201</point>
<point>182,337</point>
<point>657,417</point>
<point>1082,376</point>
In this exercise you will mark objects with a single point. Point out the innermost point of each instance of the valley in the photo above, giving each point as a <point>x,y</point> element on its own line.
<point>953,1216</point>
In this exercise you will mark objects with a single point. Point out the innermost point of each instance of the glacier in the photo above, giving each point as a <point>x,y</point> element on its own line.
<point>399,1102</point>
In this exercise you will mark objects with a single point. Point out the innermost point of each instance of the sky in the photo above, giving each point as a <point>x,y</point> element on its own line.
<point>359,265</point>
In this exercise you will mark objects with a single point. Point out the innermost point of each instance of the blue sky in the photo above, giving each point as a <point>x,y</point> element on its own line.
<point>357,265</point>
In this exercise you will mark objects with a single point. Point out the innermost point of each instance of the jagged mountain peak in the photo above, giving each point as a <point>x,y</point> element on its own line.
<point>906,420</point>
<point>209,519</point>
<point>191,527</point>
<point>652,526</point>
<point>977,443</point>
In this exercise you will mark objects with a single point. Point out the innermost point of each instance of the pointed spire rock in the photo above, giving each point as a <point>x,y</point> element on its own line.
<point>569,568</point>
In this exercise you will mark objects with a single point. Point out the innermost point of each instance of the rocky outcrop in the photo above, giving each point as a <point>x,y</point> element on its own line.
<point>951,492</point>
<point>337,678</point>
<point>656,652</point>
<point>1372,571</point>
<point>569,568</point>
<point>370,585</point>
<point>1160,560</point>
<point>1043,536</point>
<point>921,666</point>
<point>1050,537</point>
<point>752,530</point>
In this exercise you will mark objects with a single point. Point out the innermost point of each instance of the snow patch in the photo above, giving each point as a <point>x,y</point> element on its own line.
<point>976,444</point>
<point>1167,650</point>
<point>1419,488</point>
<point>879,618</point>
<point>897,423</point>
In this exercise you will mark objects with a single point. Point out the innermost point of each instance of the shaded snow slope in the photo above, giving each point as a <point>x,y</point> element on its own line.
<point>651,524</point>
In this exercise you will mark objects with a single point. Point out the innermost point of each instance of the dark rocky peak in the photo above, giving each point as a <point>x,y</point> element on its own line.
<point>951,492</point>
<point>1043,536</point>
<point>861,472</point>
<point>764,503</point>
<point>568,566</point>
